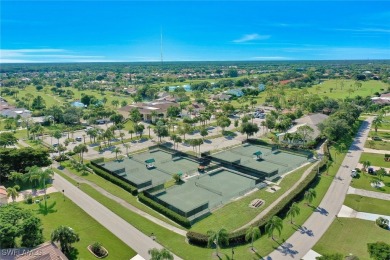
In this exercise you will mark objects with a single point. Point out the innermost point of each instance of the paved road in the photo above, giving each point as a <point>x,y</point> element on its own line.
<point>124,203</point>
<point>317,224</point>
<point>119,227</point>
<point>367,193</point>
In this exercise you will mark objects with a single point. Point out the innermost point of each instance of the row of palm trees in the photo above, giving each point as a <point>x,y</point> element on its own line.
<point>275,224</point>
<point>35,175</point>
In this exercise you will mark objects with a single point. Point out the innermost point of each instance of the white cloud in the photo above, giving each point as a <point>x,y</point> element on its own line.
<point>45,55</point>
<point>251,37</point>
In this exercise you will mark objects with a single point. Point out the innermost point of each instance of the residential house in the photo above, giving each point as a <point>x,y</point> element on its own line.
<point>312,120</point>
<point>45,251</point>
<point>3,195</point>
<point>384,99</point>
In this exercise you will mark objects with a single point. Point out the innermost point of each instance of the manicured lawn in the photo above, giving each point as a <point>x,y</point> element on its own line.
<point>385,124</point>
<point>375,159</point>
<point>89,230</point>
<point>383,135</point>
<point>368,88</point>
<point>364,182</point>
<point>350,235</point>
<point>366,204</point>
<point>378,145</point>
<point>227,216</point>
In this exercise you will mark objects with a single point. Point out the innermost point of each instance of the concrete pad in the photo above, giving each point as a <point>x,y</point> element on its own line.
<point>311,255</point>
<point>137,257</point>
<point>346,212</point>
<point>351,190</point>
<point>24,193</point>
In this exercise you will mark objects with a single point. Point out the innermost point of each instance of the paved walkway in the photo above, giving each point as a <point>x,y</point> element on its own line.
<point>311,255</point>
<point>119,227</point>
<point>369,150</point>
<point>301,242</point>
<point>367,193</point>
<point>347,212</point>
<point>273,204</point>
<point>124,203</point>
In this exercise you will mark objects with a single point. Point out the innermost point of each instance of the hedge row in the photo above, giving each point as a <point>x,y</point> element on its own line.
<point>124,185</point>
<point>238,237</point>
<point>165,211</point>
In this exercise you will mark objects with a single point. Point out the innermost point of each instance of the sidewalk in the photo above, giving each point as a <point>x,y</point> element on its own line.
<point>124,203</point>
<point>369,150</point>
<point>370,194</point>
<point>347,212</point>
<point>24,193</point>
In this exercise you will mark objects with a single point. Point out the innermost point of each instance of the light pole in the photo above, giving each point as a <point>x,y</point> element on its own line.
<point>63,194</point>
<point>232,252</point>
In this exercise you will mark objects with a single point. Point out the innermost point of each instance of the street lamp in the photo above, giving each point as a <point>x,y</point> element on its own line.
<point>232,252</point>
<point>63,194</point>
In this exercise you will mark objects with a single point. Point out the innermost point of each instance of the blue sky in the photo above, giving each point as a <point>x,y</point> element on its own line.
<point>84,31</point>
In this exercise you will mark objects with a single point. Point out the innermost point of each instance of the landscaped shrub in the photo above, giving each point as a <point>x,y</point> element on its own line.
<point>167,212</point>
<point>124,185</point>
<point>197,239</point>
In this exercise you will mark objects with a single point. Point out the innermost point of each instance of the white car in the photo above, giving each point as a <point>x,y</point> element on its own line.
<point>79,139</point>
<point>353,173</point>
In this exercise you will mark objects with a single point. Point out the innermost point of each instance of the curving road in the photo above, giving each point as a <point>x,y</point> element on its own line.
<point>312,230</point>
<point>134,238</point>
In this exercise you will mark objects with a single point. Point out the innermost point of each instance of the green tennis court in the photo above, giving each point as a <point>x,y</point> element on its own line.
<point>215,188</point>
<point>262,158</point>
<point>163,165</point>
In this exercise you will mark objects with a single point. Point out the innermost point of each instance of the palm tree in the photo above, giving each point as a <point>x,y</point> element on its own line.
<point>127,146</point>
<point>218,238</point>
<point>43,176</point>
<point>116,151</point>
<point>13,192</point>
<point>293,211</point>
<point>32,174</point>
<point>57,135</point>
<point>275,223</point>
<point>252,233</point>
<point>366,164</point>
<point>380,173</point>
<point>162,254</point>
<point>310,195</point>
<point>149,127</point>
<point>377,122</point>
<point>66,236</point>
<point>131,132</point>
<point>16,177</point>
<point>121,135</point>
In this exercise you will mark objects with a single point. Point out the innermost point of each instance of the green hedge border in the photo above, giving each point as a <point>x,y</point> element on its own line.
<point>124,185</point>
<point>165,211</point>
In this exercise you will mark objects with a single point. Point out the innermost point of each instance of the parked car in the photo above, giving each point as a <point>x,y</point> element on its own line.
<point>79,138</point>
<point>371,170</point>
<point>353,173</point>
<point>376,138</point>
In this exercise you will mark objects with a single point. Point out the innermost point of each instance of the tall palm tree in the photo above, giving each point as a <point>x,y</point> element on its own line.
<point>162,254</point>
<point>252,233</point>
<point>218,238</point>
<point>66,236</point>
<point>32,174</point>
<point>127,146</point>
<point>275,223</point>
<point>43,176</point>
<point>16,177</point>
<point>293,211</point>
<point>366,164</point>
<point>116,151</point>
<point>380,173</point>
<point>13,192</point>
<point>377,122</point>
<point>310,195</point>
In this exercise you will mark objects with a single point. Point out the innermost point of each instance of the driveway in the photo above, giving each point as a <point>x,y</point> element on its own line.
<point>301,242</point>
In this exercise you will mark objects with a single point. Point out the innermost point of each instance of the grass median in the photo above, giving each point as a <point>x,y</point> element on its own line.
<point>366,204</point>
